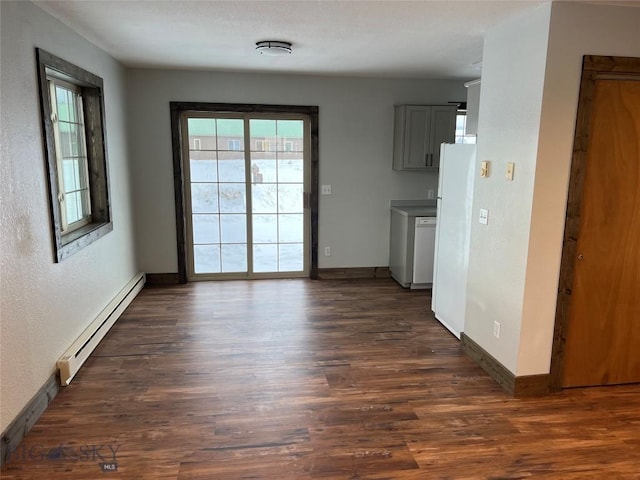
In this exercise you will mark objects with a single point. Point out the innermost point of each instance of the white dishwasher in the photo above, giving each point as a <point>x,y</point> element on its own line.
<point>423,248</point>
<point>412,244</point>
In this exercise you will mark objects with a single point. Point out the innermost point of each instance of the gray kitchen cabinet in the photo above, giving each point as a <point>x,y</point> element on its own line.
<point>418,132</point>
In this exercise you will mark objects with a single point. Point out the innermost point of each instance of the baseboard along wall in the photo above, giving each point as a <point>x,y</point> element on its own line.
<point>522,386</point>
<point>21,425</point>
<point>163,279</point>
<point>353,273</point>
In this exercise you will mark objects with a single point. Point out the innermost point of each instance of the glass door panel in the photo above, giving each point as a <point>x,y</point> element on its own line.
<point>218,195</point>
<point>277,167</point>
<point>246,210</point>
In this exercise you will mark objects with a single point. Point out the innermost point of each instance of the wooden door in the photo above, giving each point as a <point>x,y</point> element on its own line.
<point>603,334</point>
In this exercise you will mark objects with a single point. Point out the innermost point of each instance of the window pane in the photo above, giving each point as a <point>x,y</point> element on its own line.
<point>265,228</point>
<point>73,206</point>
<point>291,171</point>
<point>70,175</point>
<point>230,129</point>
<point>206,229</point>
<point>62,103</point>
<point>234,258</point>
<point>203,129</point>
<point>265,198</point>
<point>291,228</point>
<point>69,135</point>
<point>74,100</point>
<point>291,257</point>
<point>290,135</point>
<point>203,167</point>
<point>265,258</point>
<point>263,135</point>
<point>232,198</point>
<point>290,199</point>
<point>206,258</point>
<point>263,170</point>
<point>233,228</point>
<point>231,167</point>
<point>204,198</point>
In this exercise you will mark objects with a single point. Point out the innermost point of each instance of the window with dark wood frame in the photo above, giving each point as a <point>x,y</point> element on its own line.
<point>87,153</point>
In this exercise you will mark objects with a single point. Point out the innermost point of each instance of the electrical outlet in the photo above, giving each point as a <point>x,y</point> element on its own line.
<point>496,329</point>
<point>431,194</point>
<point>327,251</point>
<point>325,189</point>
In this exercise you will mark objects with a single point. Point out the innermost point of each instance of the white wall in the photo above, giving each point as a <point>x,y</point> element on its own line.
<point>511,93</point>
<point>356,135</point>
<point>45,305</point>
<point>516,259</point>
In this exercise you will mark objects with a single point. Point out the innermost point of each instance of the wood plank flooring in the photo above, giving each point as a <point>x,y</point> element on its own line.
<point>300,379</point>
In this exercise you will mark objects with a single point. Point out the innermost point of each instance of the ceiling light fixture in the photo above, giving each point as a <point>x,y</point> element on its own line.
<point>273,48</point>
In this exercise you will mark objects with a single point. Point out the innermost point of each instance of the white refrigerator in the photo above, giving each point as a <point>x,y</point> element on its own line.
<point>451,257</point>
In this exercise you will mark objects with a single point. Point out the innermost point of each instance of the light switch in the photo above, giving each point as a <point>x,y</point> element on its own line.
<point>509,173</point>
<point>325,189</point>
<point>484,216</point>
<point>484,168</point>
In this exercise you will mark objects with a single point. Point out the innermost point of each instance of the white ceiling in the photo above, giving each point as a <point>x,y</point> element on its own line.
<point>387,38</point>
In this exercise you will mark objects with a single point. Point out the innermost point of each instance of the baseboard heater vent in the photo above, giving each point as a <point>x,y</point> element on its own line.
<point>80,350</point>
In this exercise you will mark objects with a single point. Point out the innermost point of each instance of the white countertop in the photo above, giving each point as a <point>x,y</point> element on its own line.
<point>417,209</point>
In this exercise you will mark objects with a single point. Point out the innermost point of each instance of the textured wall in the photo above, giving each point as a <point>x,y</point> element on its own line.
<point>45,305</point>
<point>356,137</point>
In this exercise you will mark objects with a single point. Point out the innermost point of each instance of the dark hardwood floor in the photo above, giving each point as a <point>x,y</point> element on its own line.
<point>300,379</point>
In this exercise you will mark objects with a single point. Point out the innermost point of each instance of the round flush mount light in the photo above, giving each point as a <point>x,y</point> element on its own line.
<point>273,48</point>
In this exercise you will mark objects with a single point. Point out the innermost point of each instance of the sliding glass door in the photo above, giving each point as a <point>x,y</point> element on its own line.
<point>245,184</point>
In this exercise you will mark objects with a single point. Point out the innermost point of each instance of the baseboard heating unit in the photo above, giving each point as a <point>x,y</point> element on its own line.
<point>79,351</point>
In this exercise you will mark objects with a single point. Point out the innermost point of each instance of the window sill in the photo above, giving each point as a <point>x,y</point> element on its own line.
<point>80,238</point>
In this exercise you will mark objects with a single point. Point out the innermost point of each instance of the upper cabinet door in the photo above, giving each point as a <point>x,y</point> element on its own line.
<point>443,130</point>
<point>416,138</point>
<point>419,130</point>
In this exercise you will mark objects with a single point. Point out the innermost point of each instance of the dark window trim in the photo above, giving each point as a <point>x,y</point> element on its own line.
<point>177,108</point>
<point>93,101</point>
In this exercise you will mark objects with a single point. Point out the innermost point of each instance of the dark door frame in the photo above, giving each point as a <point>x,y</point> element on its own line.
<point>177,108</point>
<point>593,68</point>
